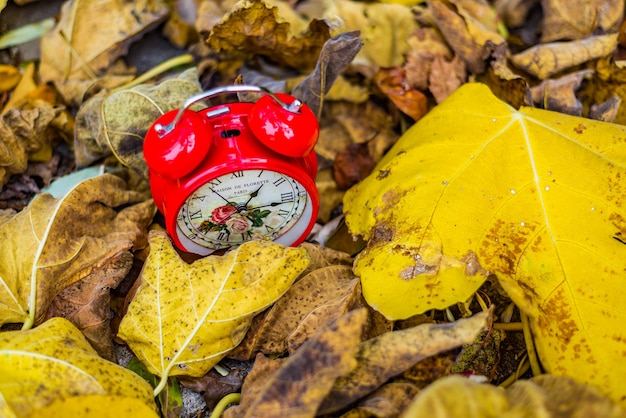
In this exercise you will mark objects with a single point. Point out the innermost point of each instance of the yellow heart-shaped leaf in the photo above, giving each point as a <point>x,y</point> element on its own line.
<point>186,317</point>
<point>534,197</point>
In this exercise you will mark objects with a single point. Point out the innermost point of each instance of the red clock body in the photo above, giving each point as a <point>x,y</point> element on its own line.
<point>228,174</point>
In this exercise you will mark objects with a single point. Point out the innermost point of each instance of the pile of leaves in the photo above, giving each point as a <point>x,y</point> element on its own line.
<point>471,246</point>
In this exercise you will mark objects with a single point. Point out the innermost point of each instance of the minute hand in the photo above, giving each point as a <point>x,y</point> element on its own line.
<point>269,204</point>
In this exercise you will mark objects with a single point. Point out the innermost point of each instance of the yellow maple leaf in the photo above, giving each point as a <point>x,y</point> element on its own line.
<point>532,196</point>
<point>54,363</point>
<point>186,317</point>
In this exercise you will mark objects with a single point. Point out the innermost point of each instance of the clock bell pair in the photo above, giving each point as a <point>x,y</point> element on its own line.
<point>233,172</point>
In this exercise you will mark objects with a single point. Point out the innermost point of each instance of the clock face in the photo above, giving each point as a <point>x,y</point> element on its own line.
<point>236,207</point>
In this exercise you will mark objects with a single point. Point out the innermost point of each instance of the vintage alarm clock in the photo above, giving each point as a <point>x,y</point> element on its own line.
<point>235,171</point>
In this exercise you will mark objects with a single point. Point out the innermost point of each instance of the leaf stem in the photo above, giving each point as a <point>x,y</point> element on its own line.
<point>508,326</point>
<point>530,345</point>
<point>224,402</point>
<point>162,383</point>
<point>161,68</point>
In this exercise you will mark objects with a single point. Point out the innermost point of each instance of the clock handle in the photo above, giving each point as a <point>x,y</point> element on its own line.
<point>163,130</point>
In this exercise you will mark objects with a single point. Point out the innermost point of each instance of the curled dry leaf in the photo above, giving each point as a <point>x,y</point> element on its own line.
<point>86,302</point>
<point>24,134</point>
<point>560,94</point>
<point>543,61</point>
<point>55,363</point>
<point>536,199</point>
<point>425,44</point>
<point>392,82</point>
<point>609,80</point>
<point>503,82</point>
<point>390,354</point>
<point>90,36</point>
<point>336,54</point>
<point>256,27</point>
<point>117,123</point>
<point>577,19</point>
<point>298,386</point>
<point>606,111</point>
<point>184,317</point>
<point>311,303</point>
<point>544,395</point>
<point>54,243</point>
<point>468,37</point>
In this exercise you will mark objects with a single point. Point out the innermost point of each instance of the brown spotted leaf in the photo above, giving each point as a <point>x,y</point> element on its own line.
<point>56,242</point>
<point>117,122</point>
<point>256,27</point>
<point>297,386</point>
<point>390,354</point>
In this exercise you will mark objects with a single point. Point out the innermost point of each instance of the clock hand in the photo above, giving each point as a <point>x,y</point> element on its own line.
<point>224,199</point>
<point>269,204</point>
<point>252,195</point>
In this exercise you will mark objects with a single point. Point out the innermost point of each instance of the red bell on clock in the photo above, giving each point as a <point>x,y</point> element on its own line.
<point>234,172</point>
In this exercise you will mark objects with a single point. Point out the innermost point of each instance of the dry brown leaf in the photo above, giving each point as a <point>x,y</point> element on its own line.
<point>446,76</point>
<point>465,34</point>
<point>299,385</point>
<point>606,111</point>
<point>86,302</point>
<point>54,243</point>
<point>327,290</point>
<point>503,82</point>
<point>258,28</point>
<point>352,165</point>
<point>23,134</point>
<point>90,36</point>
<point>560,94</point>
<point>543,61</point>
<point>425,44</point>
<point>394,352</point>
<point>609,81</point>
<point>578,19</point>
<point>337,53</point>
<point>117,122</point>
<point>348,123</point>
<point>392,82</point>
<point>388,400</point>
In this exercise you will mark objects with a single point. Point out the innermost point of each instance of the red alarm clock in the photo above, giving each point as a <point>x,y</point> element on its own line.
<point>236,171</point>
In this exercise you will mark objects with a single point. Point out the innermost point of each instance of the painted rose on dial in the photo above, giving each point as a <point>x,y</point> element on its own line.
<point>221,214</point>
<point>238,225</point>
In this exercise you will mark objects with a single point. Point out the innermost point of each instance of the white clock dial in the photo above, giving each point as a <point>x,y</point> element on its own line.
<point>236,207</point>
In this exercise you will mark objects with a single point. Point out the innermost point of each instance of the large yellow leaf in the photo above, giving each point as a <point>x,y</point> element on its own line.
<point>55,363</point>
<point>56,242</point>
<point>535,197</point>
<point>186,317</point>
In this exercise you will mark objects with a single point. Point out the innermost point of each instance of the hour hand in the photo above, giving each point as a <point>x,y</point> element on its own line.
<point>253,195</point>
